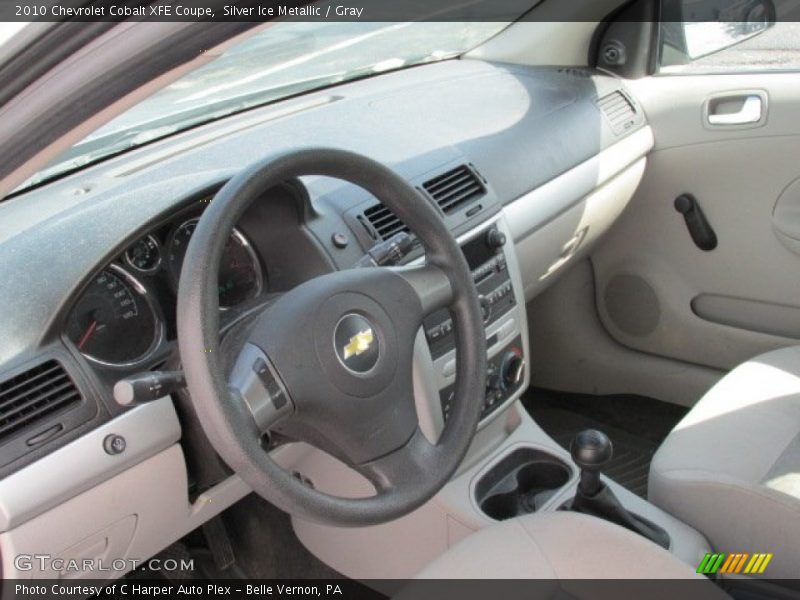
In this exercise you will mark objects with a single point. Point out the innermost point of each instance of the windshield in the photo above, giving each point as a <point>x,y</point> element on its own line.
<point>282,60</point>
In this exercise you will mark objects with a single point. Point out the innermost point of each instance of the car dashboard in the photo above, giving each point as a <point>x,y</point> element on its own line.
<point>540,159</point>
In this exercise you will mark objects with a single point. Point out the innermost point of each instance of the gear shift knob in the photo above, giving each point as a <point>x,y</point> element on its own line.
<point>591,450</point>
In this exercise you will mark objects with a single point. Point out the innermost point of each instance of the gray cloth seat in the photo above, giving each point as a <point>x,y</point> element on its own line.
<point>731,467</point>
<point>565,547</point>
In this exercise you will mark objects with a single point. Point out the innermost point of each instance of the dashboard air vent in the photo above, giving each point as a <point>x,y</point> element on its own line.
<point>384,221</point>
<point>31,395</point>
<point>455,188</point>
<point>619,111</point>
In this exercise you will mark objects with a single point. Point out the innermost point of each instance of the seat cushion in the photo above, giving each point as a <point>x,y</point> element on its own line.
<point>731,467</point>
<point>557,545</point>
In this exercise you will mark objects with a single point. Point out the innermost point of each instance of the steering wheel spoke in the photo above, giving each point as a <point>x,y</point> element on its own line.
<point>392,472</point>
<point>430,284</point>
<point>255,381</point>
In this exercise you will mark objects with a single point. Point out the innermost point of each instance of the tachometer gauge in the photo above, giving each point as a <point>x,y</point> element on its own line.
<point>240,276</point>
<point>144,255</point>
<point>114,322</point>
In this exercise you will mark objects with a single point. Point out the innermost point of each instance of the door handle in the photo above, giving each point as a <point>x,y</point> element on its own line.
<point>750,111</point>
<point>699,228</point>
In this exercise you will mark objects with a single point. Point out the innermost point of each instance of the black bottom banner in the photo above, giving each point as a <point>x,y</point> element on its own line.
<point>440,589</point>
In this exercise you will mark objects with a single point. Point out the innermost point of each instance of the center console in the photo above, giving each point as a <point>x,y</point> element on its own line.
<point>512,468</point>
<point>492,261</point>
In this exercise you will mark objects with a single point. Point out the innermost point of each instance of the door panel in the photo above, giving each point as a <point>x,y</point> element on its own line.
<point>659,293</point>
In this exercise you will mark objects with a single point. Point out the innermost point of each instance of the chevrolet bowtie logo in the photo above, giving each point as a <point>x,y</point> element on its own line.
<point>358,344</point>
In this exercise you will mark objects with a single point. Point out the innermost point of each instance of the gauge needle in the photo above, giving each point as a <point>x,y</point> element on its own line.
<point>88,333</point>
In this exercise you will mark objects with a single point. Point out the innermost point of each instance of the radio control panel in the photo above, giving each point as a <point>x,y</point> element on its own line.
<point>492,261</point>
<point>496,297</point>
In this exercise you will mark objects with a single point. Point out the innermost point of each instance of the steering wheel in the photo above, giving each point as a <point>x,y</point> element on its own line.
<point>330,362</point>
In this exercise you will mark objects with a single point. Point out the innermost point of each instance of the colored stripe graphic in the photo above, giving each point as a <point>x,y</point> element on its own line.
<point>701,568</point>
<point>754,563</point>
<point>710,563</point>
<point>737,562</point>
<point>727,564</point>
<point>740,564</point>
<point>763,566</point>
<point>734,561</point>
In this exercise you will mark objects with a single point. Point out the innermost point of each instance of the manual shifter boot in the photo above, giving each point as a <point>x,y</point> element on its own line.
<point>591,450</point>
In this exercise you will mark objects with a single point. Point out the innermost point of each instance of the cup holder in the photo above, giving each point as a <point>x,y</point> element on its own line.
<point>520,483</point>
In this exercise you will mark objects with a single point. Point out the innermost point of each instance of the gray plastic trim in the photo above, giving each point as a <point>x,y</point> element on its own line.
<point>398,550</point>
<point>745,313</point>
<point>510,325</point>
<point>82,464</point>
<point>535,209</point>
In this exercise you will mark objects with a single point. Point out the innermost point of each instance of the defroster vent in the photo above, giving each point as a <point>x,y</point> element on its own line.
<point>619,111</point>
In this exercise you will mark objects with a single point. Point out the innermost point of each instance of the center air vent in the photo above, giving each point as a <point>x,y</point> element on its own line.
<point>455,188</point>
<point>29,396</point>
<point>451,191</point>
<point>619,111</point>
<point>384,221</point>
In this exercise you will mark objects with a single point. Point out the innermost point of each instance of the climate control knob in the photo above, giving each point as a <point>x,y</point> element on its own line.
<point>512,369</point>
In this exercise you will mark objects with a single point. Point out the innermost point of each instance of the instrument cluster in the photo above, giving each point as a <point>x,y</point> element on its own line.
<point>126,314</point>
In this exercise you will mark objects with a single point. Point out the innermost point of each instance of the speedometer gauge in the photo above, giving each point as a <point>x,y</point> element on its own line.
<point>114,322</point>
<point>240,276</point>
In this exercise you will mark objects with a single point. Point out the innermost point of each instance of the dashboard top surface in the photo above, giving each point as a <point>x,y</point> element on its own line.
<point>519,126</point>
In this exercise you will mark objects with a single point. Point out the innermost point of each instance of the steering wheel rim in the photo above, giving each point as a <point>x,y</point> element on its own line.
<point>408,474</point>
